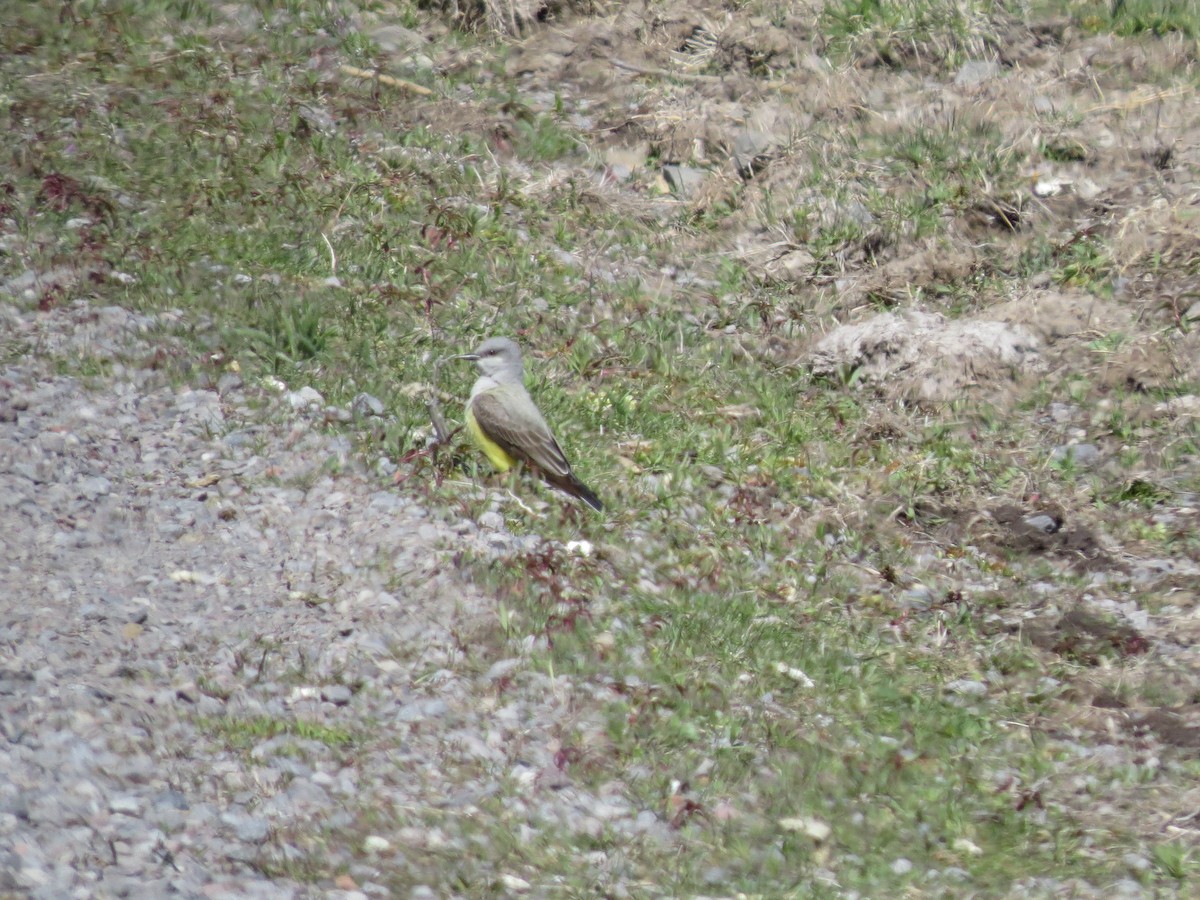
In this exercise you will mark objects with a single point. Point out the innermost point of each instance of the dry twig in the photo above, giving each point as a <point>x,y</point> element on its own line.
<point>389,80</point>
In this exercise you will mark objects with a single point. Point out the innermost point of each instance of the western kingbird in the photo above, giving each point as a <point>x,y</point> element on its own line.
<point>508,427</point>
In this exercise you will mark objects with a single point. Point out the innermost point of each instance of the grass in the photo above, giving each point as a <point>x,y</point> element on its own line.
<point>1141,17</point>
<point>927,32</point>
<point>246,733</point>
<point>755,593</point>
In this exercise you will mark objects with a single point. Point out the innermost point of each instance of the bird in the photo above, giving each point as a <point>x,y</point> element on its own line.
<point>506,424</point>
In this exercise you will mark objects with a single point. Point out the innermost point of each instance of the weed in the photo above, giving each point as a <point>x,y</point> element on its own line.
<point>245,733</point>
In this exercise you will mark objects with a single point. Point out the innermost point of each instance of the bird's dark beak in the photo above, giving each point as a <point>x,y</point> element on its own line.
<point>473,357</point>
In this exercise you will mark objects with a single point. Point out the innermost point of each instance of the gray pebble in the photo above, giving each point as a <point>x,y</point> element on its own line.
<point>229,381</point>
<point>1127,887</point>
<point>645,821</point>
<point>1043,523</point>
<point>303,792</point>
<point>1080,454</point>
<point>684,180</point>
<point>434,708</point>
<point>501,543</point>
<point>52,442</point>
<point>91,488</point>
<point>125,805</point>
<point>967,687</point>
<point>491,520</point>
<point>337,694</point>
<point>503,668</point>
<point>976,71</point>
<point>28,471</point>
<point>1063,412</point>
<point>1137,862</point>
<point>918,595</point>
<point>170,799</point>
<point>365,405</point>
<point>306,397</point>
<point>248,828</point>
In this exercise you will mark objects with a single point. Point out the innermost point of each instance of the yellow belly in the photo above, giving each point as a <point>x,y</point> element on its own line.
<point>494,452</point>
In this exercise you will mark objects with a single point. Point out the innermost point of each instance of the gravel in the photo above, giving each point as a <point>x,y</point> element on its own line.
<point>225,672</point>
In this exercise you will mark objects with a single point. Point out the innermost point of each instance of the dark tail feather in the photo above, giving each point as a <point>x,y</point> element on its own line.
<point>587,495</point>
<point>577,488</point>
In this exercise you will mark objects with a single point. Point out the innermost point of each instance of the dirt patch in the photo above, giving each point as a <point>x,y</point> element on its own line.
<point>1179,727</point>
<point>1086,638</point>
<point>922,357</point>
<point>1062,315</point>
<point>1008,529</point>
<point>1045,532</point>
<point>894,283</point>
<point>1097,337</point>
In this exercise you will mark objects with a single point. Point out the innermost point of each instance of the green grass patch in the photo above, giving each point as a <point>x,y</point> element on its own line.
<point>1140,17</point>
<point>938,33</point>
<point>245,733</point>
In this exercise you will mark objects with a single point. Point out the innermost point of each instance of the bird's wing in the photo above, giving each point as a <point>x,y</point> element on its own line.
<point>507,415</point>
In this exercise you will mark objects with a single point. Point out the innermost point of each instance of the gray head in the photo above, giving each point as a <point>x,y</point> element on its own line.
<point>500,358</point>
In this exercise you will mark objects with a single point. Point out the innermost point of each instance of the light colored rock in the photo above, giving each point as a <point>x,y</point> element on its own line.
<point>924,357</point>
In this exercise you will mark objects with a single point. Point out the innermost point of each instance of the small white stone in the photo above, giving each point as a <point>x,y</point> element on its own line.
<point>1048,187</point>
<point>513,883</point>
<point>373,843</point>
<point>186,576</point>
<point>125,805</point>
<point>305,397</point>
<point>962,845</point>
<point>795,674</point>
<point>809,827</point>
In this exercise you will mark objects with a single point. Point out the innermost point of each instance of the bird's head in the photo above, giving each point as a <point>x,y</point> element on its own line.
<point>497,356</point>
